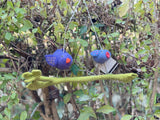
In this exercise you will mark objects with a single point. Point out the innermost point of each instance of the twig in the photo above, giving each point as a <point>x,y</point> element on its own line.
<point>75,108</point>
<point>7,70</point>
<point>156,60</point>
<point>54,110</point>
<point>35,110</point>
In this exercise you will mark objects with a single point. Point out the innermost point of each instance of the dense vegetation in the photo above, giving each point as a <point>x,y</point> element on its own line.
<point>31,29</point>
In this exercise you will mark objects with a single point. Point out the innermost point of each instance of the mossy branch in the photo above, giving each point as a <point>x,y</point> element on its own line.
<point>35,79</point>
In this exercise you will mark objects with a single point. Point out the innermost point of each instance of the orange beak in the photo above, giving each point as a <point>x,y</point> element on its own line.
<point>68,60</point>
<point>107,54</point>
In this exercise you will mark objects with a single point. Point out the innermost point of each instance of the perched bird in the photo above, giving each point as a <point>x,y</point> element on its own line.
<point>59,59</point>
<point>100,56</point>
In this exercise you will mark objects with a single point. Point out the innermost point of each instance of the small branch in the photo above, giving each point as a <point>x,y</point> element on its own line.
<point>7,70</point>
<point>54,111</point>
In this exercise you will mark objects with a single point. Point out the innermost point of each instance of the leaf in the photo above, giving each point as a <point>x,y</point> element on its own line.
<point>106,109</point>
<point>109,1</point>
<point>1,117</point>
<point>83,42</point>
<point>157,113</point>
<point>83,30</point>
<point>13,95</point>
<point>9,4</point>
<point>20,10</point>
<point>71,40</point>
<point>75,69</point>
<point>141,51</point>
<point>123,9</point>
<point>157,105</point>
<point>67,97</point>
<point>143,69</point>
<point>60,108</point>
<point>86,113</point>
<point>34,30</point>
<point>119,21</point>
<point>84,98</point>
<point>4,16</point>
<point>99,25</point>
<point>95,29</point>
<point>7,112</point>
<point>147,28</point>
<point>23,115</point>
<point>138,6</point>
<point>26,25</point>
<point>100,96</point>
<point>8,76</point>
<point>126,117</point>
<point>78,93</point>
<point>8,36</point>
<point>115,34</point>
<point>145,1</point>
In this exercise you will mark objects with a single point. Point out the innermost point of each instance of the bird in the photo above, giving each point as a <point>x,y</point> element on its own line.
<point>59,59</point>
<point>100,56</point>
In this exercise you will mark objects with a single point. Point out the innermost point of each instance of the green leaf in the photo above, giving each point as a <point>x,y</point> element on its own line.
<point>157,105</point>
<point>4,16</point>
<point>119,21</point>
<point>7,112</point>
<point>115,34</point>
<point>34,30</point>
<point>8,36</point>
<point>83,42</point>
<point>23,115</point>
<point>67,97</point>
<point>126,117</point>
<point>1,117</point>
<point>141,51</point>
<point>78,93</point>
<point>145,1</point>
<point>84,98</point>
<point>83,29</point>
<point>26,25</point>
<point>123,9</point>
<point>99,25</point>
<point>75,69</point>
<point>95,29</point>
<point>13,95</point>
<point>106,109</point>
<point>143,69</point>
<point>71,40</point>
<point>147,28</point>
<point>20,10</point>
<point>157,113</point>
<point>9,4</point>
<point>86,113</point>
<point>8,76</point>
<point>109,1</point>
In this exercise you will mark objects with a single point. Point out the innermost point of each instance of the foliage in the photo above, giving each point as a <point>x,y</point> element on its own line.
<point>129,29</point>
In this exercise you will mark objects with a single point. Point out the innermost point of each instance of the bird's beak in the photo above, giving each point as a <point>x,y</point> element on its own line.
<point>68,60</point>
<point>107,54</point>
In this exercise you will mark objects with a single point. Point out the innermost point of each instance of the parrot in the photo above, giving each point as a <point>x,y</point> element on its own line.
<point>100,56</point>
<point>59,59</point>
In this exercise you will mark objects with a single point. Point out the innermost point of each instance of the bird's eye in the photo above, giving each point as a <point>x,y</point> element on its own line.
<point>107,54</point>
